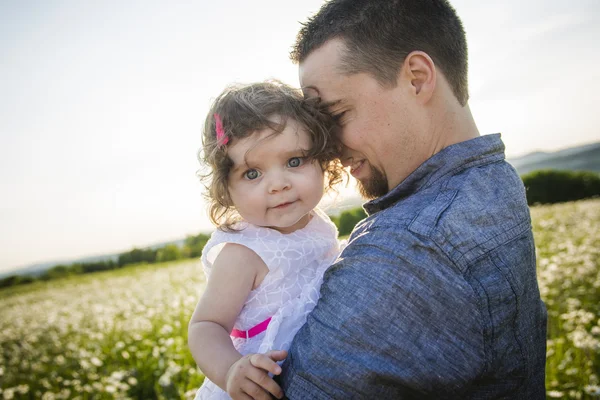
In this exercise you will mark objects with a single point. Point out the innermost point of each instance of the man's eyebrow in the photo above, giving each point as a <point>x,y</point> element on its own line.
<point>324,104</point>
<point>304,88</point>
<point>329,104</point>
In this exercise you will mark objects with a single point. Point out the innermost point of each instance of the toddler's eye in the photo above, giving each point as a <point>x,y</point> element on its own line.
<point>295,162</point>
<point>251,174</point>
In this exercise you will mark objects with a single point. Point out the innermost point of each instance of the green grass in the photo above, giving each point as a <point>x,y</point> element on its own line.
<point>123,333</point>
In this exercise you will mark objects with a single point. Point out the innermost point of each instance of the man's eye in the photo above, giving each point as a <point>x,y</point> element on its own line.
<point>338,117</point>
<point>294,162</point>
<point>251,174</point>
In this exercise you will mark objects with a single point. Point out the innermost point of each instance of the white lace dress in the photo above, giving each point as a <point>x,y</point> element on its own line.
<point>290,290</point>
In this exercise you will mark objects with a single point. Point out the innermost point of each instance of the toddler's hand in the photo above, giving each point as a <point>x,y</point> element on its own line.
<point>248,378</point>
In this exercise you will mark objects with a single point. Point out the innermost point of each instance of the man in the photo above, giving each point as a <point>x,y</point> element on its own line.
<point>435,296</point>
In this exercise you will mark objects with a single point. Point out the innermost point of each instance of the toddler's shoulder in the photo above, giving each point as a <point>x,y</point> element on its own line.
<point>241,246</point>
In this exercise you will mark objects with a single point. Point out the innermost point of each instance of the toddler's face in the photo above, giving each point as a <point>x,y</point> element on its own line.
<point>271,184</point>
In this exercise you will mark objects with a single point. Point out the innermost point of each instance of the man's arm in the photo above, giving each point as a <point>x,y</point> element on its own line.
<point>395,320</point>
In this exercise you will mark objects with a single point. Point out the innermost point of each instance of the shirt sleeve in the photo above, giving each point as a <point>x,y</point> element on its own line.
<point>396,319</point>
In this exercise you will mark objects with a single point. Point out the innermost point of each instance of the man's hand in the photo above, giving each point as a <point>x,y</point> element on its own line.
<point>248,378</point>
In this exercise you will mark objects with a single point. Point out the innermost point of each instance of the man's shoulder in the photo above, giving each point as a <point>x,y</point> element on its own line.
<point>476,210</point>
<point>461,212</point>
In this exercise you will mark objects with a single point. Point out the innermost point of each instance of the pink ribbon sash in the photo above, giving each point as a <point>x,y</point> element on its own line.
<point>255,330</point>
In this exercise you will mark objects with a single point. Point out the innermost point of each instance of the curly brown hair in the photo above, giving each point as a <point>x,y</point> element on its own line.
<point>246,109</point>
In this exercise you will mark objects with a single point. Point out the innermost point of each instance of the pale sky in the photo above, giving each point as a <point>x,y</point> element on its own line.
<point>102,104</point>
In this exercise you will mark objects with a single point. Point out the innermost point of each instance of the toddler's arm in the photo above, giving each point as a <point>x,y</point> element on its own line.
<point>235,272</point>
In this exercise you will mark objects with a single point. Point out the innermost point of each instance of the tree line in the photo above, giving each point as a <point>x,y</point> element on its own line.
<point>542,187</point>
<point>555,186</point>
<point>192,248</point>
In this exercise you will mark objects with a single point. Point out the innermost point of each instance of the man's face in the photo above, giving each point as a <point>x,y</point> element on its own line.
<point>373,119</point>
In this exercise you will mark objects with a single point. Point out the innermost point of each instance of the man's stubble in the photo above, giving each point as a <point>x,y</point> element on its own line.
<point>374,187</point>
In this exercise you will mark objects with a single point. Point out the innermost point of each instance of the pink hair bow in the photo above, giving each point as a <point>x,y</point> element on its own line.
<point>221,138</point>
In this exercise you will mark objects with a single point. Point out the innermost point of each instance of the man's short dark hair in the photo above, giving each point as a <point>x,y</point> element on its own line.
<point>379,34</point>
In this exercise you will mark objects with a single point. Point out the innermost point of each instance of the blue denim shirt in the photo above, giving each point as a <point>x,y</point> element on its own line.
<point>435,296</point>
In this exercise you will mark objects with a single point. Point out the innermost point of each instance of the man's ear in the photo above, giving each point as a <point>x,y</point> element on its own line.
<point>419,73</point>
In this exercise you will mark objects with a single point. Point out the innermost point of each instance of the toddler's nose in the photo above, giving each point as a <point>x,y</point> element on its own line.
<point>279,183</point>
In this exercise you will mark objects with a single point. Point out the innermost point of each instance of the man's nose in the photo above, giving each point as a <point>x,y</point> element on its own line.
<point>346,158</point>
<point>346,161</point>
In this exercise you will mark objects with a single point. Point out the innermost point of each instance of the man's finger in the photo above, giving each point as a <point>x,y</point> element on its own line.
<point>261,378</point>
<point>266,363</point>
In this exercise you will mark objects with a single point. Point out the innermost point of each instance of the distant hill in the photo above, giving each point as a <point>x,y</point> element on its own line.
<point>580,158</point>
<point>39,268</point>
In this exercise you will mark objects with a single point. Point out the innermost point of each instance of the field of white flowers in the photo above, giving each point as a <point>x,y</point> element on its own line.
<point>123,334</point>
<point>119,334</point>
<point>568,249</point>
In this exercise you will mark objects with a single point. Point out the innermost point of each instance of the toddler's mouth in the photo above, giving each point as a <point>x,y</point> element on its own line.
<point>284,205</point>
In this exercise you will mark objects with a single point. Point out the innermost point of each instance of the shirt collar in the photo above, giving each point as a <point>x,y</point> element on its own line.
<point>452,159</point>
